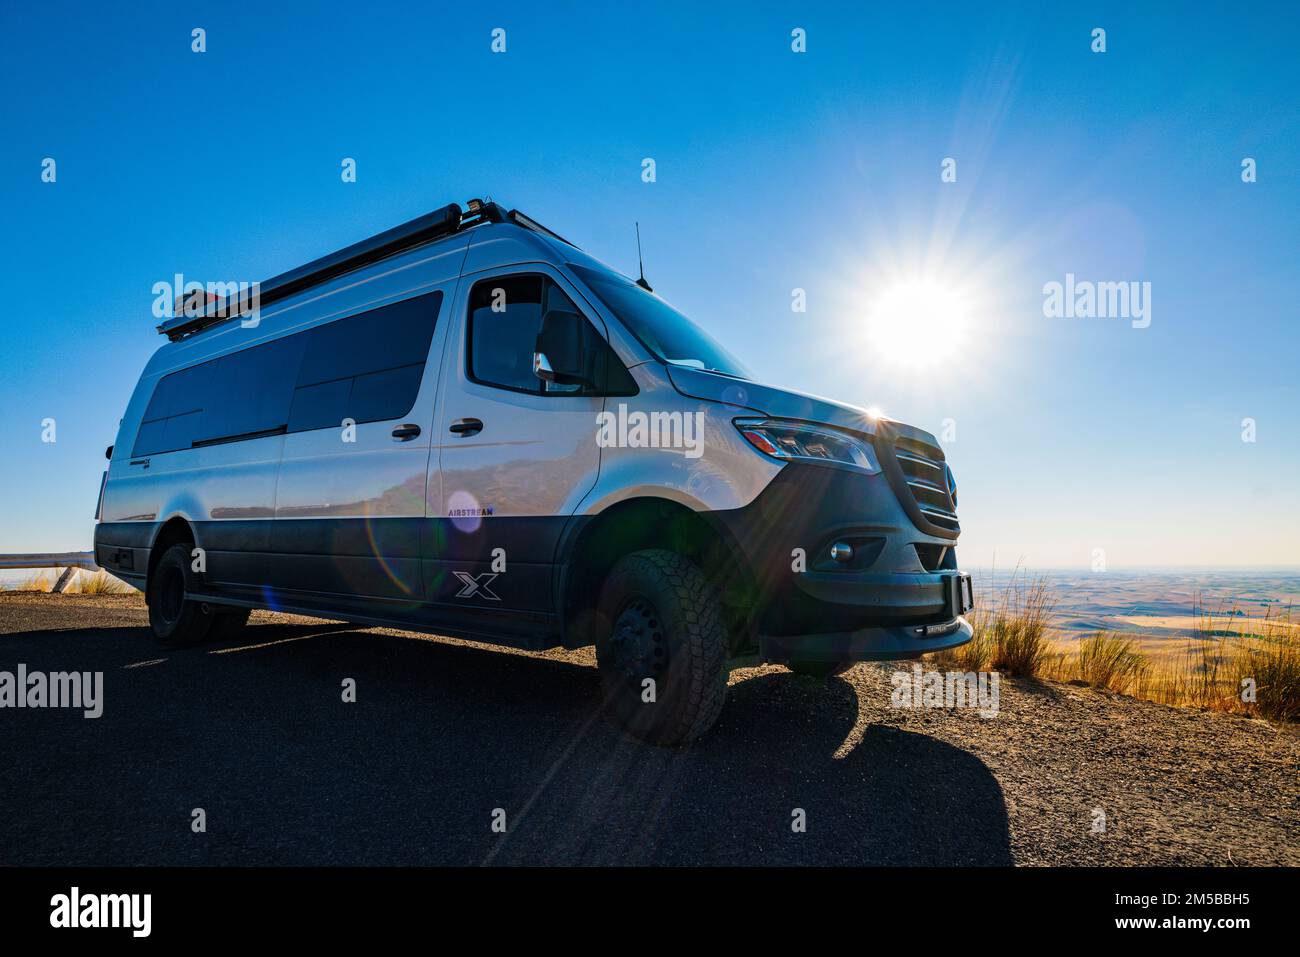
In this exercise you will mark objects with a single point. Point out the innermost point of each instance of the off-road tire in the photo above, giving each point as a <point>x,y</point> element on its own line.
<point>660,618</point>
<point>177,622</point>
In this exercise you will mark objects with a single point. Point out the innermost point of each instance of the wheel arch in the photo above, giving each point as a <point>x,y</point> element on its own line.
<point>591,545</point>
<point>171,532</point>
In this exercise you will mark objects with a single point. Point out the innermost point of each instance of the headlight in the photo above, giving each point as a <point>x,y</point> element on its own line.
<point>796,442</point>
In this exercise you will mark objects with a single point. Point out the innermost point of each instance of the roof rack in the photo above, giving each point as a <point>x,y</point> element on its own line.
<point>521,219</point>
<point>441,222</point>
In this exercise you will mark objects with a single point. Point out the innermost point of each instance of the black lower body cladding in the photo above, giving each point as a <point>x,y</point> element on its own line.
<point>892,598</point>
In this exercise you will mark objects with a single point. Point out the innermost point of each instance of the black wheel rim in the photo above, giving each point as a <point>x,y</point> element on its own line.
<point>171,594</point>
<point>637,642</point>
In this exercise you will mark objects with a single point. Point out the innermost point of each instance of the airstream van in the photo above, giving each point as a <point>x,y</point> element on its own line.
<point>468,426</point>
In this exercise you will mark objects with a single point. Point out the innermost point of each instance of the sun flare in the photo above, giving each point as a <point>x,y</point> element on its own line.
<point>918,322</point>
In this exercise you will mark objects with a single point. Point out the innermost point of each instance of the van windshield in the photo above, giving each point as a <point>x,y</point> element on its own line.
<point>663,330</point>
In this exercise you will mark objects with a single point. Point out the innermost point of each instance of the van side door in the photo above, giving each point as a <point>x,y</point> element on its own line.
<point>517,454</point>
<point>350,500</point>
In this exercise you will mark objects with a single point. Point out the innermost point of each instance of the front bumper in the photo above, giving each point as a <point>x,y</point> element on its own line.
<point>888,598</point>
<point>899,596</point>
<point>866,644</point>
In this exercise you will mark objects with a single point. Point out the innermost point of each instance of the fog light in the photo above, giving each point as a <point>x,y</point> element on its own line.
<point>842,552</point>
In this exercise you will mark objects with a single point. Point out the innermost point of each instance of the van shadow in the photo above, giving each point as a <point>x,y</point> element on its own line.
<point>442,742</point>
<point>782,752</point>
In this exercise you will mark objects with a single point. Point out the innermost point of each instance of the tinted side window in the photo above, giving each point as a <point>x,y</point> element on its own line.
<point>505,315</point>
<point>366,367</point>
<point>175,412</point>
<point>256,386</point>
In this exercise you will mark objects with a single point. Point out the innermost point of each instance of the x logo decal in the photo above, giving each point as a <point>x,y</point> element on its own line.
<point>477,585</point>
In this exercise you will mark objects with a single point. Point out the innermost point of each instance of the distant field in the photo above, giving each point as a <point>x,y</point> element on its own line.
<point>1225,641</point>
<point>1155,605</point>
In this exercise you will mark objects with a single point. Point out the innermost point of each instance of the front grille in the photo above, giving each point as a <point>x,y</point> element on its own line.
<point>928,481</point>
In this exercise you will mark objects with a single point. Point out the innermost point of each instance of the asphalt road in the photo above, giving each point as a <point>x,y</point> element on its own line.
<point>443,733</point>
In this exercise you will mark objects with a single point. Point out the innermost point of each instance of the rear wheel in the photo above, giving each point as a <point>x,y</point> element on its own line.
<point>819,669</point>
<point>176,621</point>
<point>662,647</point>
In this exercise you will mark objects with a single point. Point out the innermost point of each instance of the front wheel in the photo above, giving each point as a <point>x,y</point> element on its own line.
<point>662,647</point>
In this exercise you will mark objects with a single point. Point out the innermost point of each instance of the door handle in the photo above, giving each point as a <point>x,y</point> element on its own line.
<point>463,427</point>
<point>404,432</point>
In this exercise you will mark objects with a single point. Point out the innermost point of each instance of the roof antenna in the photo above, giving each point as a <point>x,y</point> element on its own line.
<point>641,282</point>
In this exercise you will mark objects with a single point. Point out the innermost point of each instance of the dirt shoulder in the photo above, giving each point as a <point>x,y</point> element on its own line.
<point>1176,786</point>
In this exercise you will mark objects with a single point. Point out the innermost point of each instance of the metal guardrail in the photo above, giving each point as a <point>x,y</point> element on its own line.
<point>68,561</point>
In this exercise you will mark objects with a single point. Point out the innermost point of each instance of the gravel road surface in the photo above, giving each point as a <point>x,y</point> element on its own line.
<point>443,733</point>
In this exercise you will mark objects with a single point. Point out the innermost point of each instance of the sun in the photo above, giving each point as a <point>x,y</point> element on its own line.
<point>918,322</point>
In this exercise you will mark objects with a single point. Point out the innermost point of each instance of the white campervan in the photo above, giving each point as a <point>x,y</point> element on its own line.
<point>467,426</point>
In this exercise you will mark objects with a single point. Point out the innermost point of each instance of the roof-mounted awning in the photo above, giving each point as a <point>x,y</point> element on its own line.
<point>439,223</point>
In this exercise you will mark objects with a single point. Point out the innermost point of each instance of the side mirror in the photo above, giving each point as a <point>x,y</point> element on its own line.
<point>560,355</point>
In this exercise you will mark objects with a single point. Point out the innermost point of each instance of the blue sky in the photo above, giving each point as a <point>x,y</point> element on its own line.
<point>775,171</point>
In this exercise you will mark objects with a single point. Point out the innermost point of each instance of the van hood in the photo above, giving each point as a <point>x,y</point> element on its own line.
<point>769,401</point>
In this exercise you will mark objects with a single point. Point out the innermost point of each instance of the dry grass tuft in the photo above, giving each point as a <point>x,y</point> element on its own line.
<point>41,581</point>
<point>1229,663</point>
<point>99,583</point>
<point>1109,660</point>
<point>82,583</point>
<point>1011,632</point>
<point>1018,628</point>
<point>1229,667</point>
